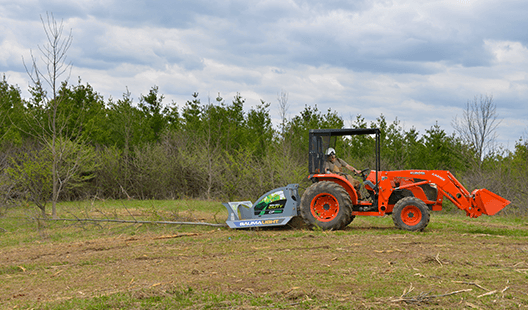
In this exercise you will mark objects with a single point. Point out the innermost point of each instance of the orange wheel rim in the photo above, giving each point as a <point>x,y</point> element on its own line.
<point>325,207</point>
<point>411,215</point>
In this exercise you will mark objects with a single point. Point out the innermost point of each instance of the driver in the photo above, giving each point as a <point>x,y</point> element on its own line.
<point>335,165</point>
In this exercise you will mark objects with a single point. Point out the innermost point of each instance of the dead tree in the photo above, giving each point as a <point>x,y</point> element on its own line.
<point>54,57</point>
<point>478,125</point>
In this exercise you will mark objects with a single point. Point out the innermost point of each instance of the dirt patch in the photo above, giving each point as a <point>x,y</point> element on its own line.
<point>290,264</point>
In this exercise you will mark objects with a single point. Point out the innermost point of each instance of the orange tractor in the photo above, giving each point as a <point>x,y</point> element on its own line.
<point>331,202</point>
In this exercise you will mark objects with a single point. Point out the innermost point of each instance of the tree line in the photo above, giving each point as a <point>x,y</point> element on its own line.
<point>117,149</point>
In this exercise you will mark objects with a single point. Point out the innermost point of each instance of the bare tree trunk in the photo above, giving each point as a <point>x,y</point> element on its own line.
<point>54,163</point>
<point>282,98</point>
<point>212,150</point>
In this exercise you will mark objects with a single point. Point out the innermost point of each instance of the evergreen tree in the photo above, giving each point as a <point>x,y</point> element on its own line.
<point>11,113</point>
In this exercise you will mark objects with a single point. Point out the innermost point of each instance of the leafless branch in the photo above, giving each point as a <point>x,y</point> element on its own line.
<point>472,283</point>
<point>282,98</point>
<point>54,59</point>
<point>131,221</point>
<point>478,125</point>
<point>487,294</point>
<point>423,297</point>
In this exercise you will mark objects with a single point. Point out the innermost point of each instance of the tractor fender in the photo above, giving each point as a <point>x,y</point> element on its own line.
<point>339,179</point>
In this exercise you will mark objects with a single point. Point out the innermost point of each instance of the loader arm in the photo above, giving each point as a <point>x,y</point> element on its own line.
<point>453,190</point>
<point>476,203</point>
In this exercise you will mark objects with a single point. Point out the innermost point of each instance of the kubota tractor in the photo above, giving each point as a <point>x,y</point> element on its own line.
<point>331,202</point>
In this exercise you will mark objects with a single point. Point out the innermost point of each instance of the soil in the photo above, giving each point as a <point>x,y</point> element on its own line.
<point>351,265</point>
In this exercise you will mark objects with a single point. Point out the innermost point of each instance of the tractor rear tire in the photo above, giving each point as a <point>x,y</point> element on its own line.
<point>326,205</point>
<point>410,213</point>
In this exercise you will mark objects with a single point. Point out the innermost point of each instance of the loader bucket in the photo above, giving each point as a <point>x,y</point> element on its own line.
<point>489,203</point>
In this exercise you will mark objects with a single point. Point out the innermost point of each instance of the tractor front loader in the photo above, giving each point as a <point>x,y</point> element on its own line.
<point>331,202</point>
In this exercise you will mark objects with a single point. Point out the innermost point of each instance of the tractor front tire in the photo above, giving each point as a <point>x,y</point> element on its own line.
<point>410,213</point>
<point>326,205</point>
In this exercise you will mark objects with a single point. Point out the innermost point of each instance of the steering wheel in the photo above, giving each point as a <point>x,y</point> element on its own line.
<point>364,173</point>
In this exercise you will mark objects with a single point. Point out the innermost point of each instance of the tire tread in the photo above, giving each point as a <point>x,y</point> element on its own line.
<point>321,187</point>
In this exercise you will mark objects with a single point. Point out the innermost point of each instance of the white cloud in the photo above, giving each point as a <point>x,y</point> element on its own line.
<point>419,61</point>
<point>508,51</point>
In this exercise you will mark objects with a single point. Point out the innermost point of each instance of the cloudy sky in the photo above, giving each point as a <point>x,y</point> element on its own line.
<point>419,61</point>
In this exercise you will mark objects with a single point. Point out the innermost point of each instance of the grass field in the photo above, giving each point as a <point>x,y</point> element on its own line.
<point>456,263</point>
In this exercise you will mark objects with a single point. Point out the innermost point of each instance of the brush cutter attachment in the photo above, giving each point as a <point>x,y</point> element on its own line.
<point>275,208</point>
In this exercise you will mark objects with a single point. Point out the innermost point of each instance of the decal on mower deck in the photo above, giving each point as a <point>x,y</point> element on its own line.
<point>255,223</point>
<point>271,204</point>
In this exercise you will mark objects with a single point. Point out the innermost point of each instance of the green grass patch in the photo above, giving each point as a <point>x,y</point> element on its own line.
<point>172,299</point>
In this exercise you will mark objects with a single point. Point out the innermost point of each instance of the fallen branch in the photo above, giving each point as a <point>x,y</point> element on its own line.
<point>437,258</point>
<point>289,290</point>
<point>424,297</point>
<point>486,294</point>
<point>135,222</point>
<point>452,293</point>
<point>176,236</point>
<point>472,283</point>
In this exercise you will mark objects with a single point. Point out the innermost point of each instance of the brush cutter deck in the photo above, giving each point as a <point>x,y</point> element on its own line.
<point>275,208</point>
